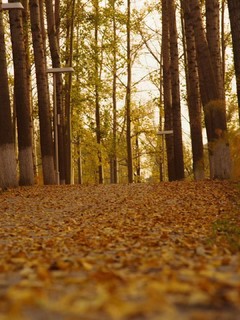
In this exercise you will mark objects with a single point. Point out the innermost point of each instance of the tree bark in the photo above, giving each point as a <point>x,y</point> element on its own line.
<point>55,56</point>
<point>128,97</point>
<point>8,165</point>
<point>97,96</point>
<point>68,87</point>
<point>167,91</point>
<point>213,39</point>
<point>49,176</point>
<point>22,99</point>
<point>114,171</point>
<point>193,99</point>
<point>234,14</point>
<point>214,106</point>
<point>176,106</point>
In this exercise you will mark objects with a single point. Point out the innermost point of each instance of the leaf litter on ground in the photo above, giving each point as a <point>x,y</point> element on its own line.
<point>139,251</point>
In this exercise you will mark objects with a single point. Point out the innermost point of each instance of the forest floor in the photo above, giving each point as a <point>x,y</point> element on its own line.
<point>167,251</point>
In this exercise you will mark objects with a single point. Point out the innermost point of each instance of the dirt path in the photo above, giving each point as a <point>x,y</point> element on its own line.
<point>138,252</point>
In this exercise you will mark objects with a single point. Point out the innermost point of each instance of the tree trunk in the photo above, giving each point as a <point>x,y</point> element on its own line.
<point>57,18</point>
<point>49,176</point>
<point>214,106</point>
<point>79,160</point>
<point>213,39</point>
<point>97,97</point>
<point>114,171</point>
<point>22,100</point>
<point>167,91</point>
<point>68,87</point>
<point>176,106</point>
<point>55,56</point>
<point>138,158</point>
<point>26,35</point>
<point>193,99</point>
<point>8,165</point>
<point>128,96</point>
<point>234,14</point>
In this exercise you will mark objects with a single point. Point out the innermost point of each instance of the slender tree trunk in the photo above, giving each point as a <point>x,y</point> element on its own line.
<point>97,97</point>
<point>22,101</point>
<point>49,176</point>
<point>176,106</point>
<point>234,14</point>
<point>8,165</point>
<point>138,158</point>
<point>55,55</point>
<point>193,98</point>
<point>167,90</point>
<point>128,96</point>
<point>26,35</point>
<point>79,160</point>
<point>68,88</point>
<point>114,171</point>
<point>160,140</point>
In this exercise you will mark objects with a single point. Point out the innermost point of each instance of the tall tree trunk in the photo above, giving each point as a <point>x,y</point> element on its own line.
<point>49,176</point>
<point>68,88</point>
<point>167,91</point>
<point>57,18</point>
<point>193,98</point>
<point>79,160</point>
<point>176,106</point>
<point>97,97</point>
<point>234,14</point>
<point>223,40</point>
<point>114,171</point>
<point>55,55</point>
<point>22,101</point>
<point>214,106</point>
<point>128,97</point>
<point>213,39</point>
<point>26,35</point>
<point>8,165</point>
<point>138,157</point>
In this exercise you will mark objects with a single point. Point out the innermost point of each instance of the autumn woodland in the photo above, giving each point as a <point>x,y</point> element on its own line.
<point>153,94</point>
<point>119,160</point>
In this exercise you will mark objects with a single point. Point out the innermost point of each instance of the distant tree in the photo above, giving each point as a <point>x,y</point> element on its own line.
<point>49,176</point>
<point>8,172</point>
<point>22,99</point>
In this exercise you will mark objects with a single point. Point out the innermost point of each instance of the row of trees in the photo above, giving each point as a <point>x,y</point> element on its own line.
<point>104,133</point>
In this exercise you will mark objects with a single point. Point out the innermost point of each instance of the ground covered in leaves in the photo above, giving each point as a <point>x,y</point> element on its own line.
<point>139,252</point>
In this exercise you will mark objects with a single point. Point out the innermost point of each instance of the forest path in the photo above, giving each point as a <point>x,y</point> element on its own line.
<point>127,252</point>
